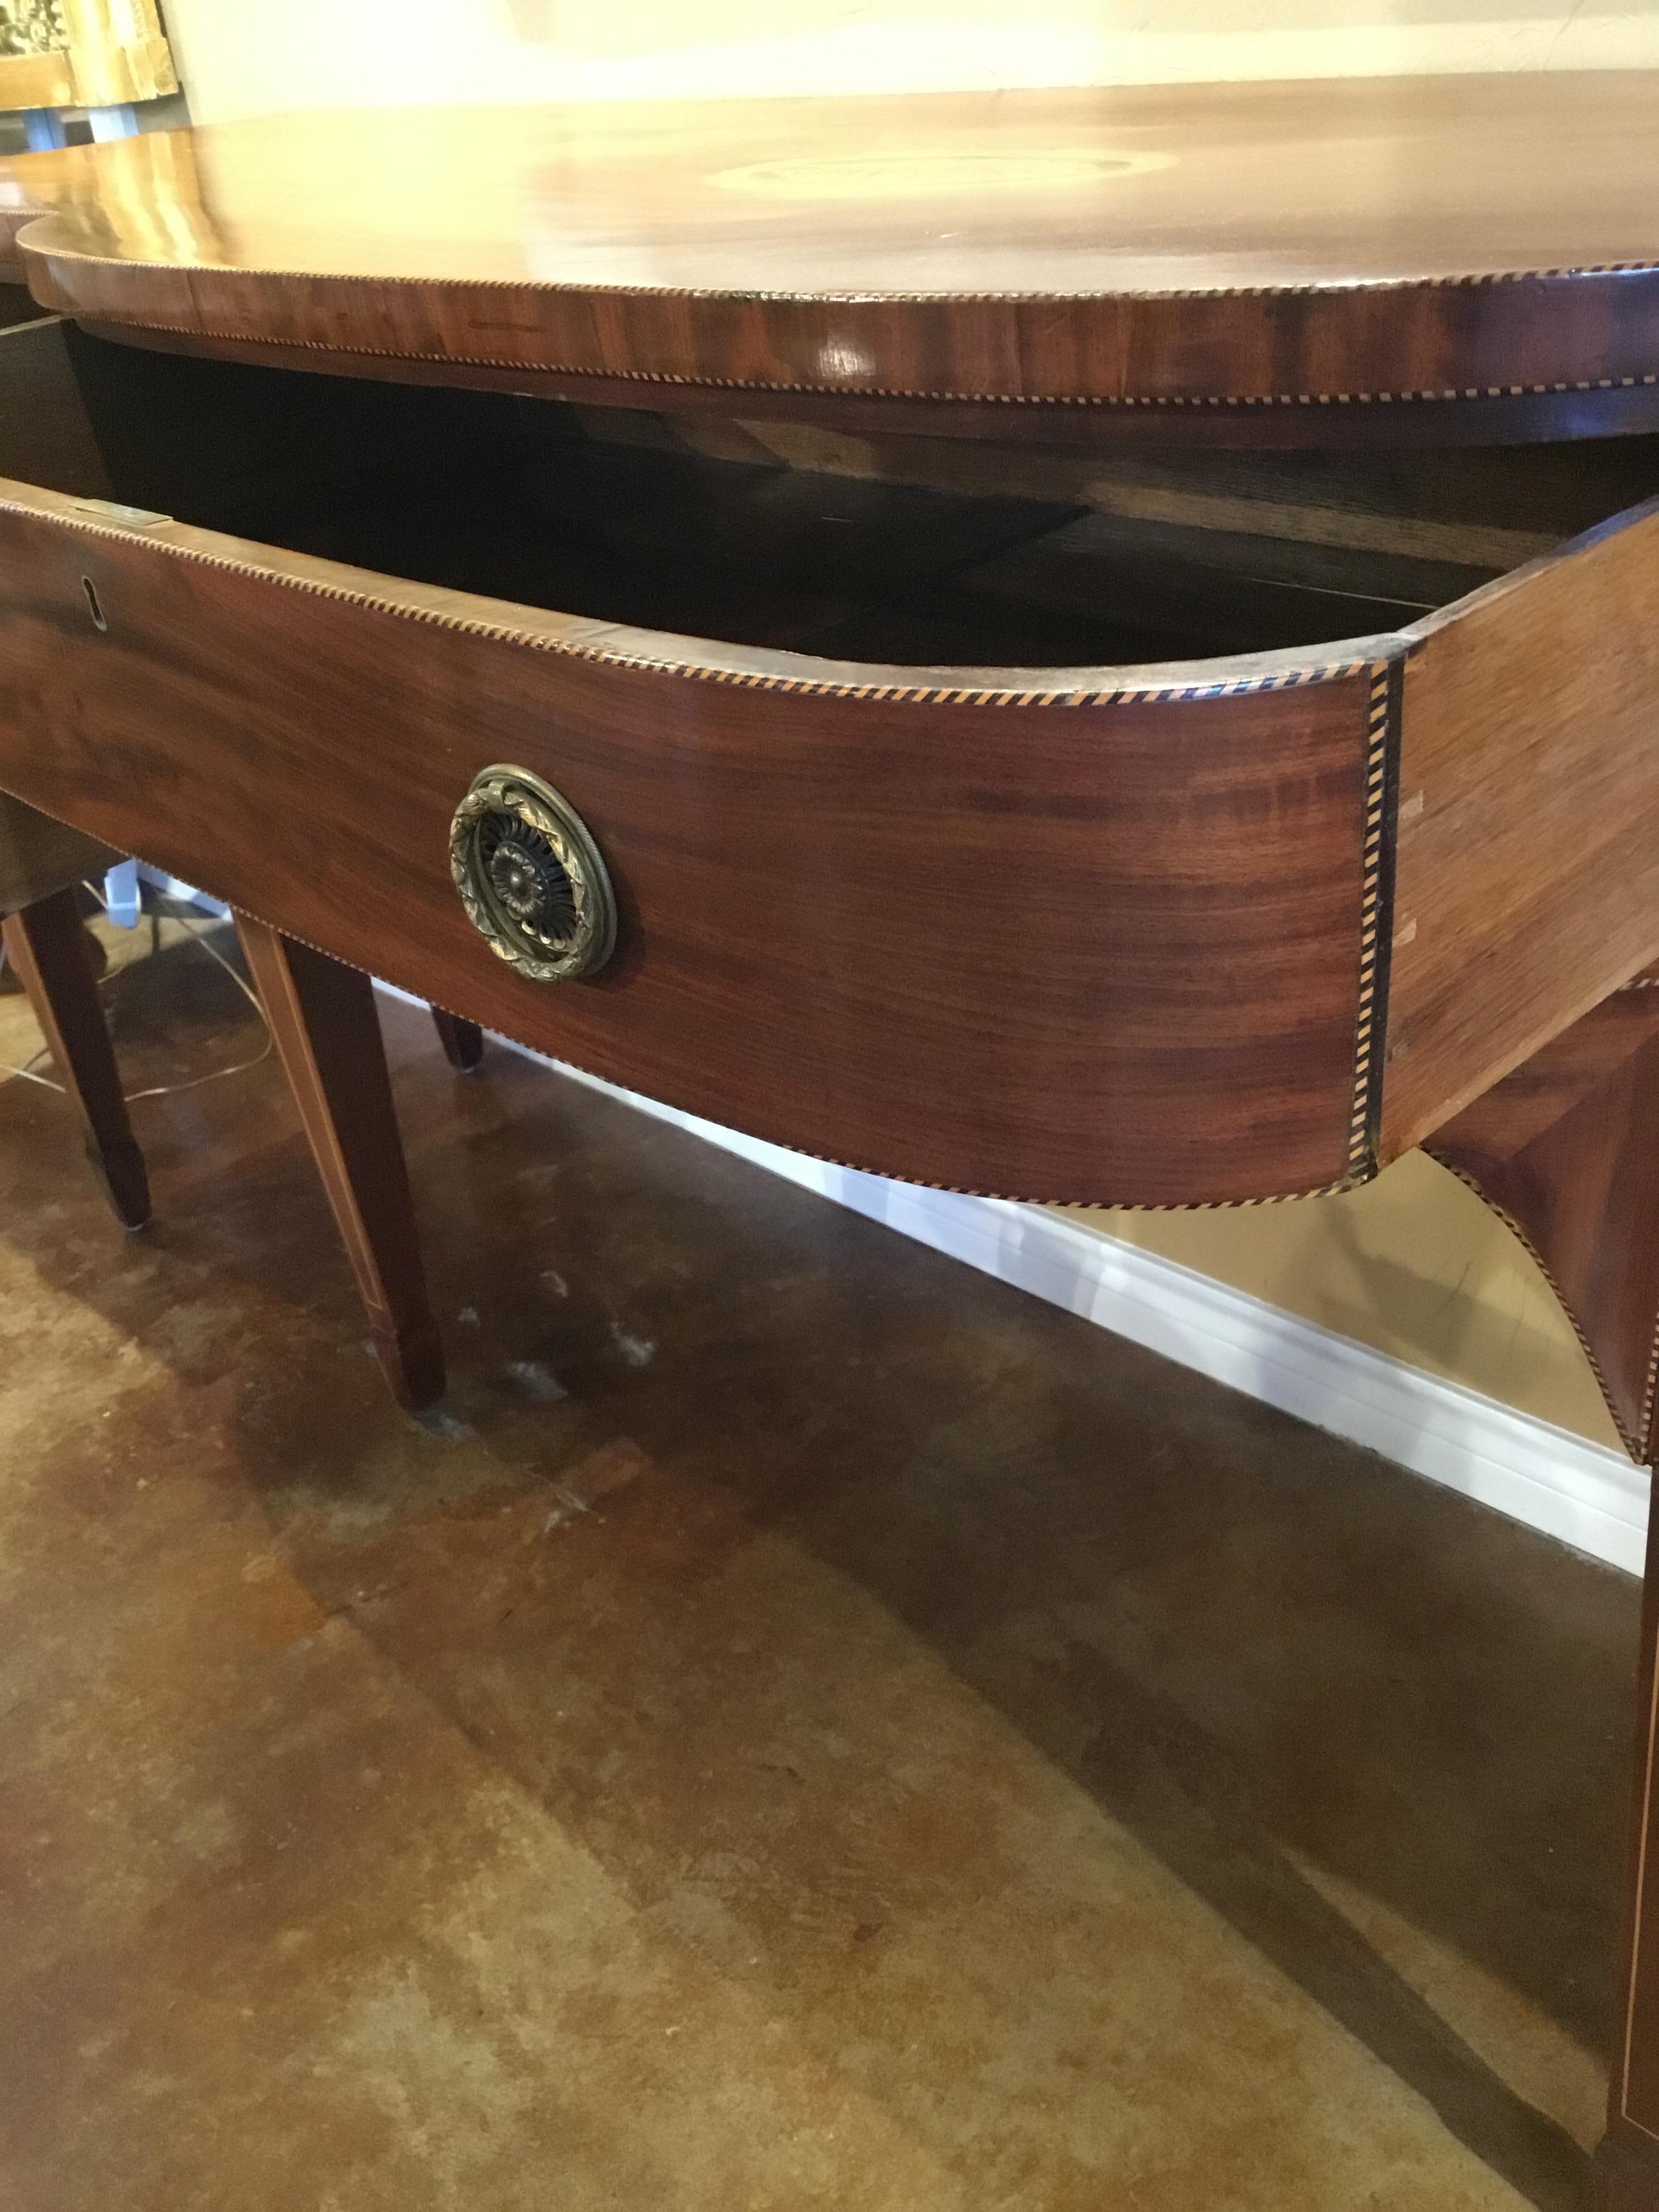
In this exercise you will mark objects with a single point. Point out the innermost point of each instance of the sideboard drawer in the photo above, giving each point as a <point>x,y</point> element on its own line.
<point>1090,933</point>
<point>1086,942</point>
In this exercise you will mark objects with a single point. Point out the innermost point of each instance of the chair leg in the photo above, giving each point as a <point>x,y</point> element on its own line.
<point>462,1041</point>
<point>48,945</point>
<point>327,1031</point>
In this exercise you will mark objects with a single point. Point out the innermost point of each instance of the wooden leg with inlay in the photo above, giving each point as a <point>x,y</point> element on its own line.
<point>1626,2172</point>
<point>1627,2164</point>
<point>462,1041</point>
<point>1567,1149</point>
<point>327,1031</point>
<point>46,945</point>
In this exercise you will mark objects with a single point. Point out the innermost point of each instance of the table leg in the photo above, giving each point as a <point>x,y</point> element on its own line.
<point>46,943</point>
<point>462,1041</point>
<point>327,1031</point>
<point>1567,1148</point>
<point>1627,2164</point>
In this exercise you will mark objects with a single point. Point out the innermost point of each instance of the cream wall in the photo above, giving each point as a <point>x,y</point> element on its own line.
<point>1412,1265</point>
<point>246,57</point>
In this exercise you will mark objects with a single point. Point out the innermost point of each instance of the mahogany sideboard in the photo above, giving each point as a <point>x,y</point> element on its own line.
<point>1086,644</point>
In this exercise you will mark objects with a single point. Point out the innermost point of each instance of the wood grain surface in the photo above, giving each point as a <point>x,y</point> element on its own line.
<point>1310,246</point>
<point>1527,869</point>
<point>1627,2161</point>
<point>1060,945</point>
<point>46,943</point>
<point>1566,1148</point>
<point>1627,2165</point>
<point>753,553</point>
<point>327,1032</point>
<point>38,855</point>
<point>1457,420</point>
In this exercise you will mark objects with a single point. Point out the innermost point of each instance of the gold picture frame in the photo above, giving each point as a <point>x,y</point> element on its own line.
<point>82,53</point>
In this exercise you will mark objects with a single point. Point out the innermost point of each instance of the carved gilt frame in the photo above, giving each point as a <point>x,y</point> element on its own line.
<point>82,53</point>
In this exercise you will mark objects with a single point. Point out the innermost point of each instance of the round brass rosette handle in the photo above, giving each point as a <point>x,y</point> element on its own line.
<point>531,877</point>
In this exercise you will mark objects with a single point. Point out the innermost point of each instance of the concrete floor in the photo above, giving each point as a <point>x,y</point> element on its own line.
<point>803,1726</point>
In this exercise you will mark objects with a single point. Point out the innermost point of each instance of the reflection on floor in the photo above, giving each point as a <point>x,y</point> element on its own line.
<point>803,1726</point>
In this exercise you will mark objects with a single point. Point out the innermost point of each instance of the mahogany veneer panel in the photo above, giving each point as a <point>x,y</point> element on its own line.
<point>1455,419</point>
<point>1527,861</point>
<point>1097,947</point>
<point>1567,1148</point>
<point>326,1030</point>
<point>46,947</point>
<point>1526,884</point>
<point>1383,239</point>
<point>38,855</point>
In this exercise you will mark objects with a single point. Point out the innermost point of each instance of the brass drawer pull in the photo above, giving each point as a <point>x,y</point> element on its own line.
<point>531,877</point>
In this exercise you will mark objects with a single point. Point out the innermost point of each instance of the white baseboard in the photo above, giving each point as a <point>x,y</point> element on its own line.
<point>1563,1484</point>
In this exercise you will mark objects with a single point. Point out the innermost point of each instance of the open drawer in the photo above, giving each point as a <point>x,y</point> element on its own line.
<point>1036,826</point>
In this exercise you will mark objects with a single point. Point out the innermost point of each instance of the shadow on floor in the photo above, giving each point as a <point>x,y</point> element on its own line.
<point>794,1569</point>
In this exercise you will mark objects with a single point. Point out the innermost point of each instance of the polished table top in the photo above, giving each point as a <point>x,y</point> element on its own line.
<point>1176,245</point>
<point>32,184</point>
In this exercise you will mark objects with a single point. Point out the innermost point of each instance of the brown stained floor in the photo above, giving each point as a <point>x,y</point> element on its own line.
<point>807,1726</point>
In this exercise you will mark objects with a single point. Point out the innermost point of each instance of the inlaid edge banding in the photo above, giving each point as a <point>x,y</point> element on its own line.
<point>1377,900</point>
<point>1651,1389</point>
<point>828,1159</point>
<point>1375,853</point>
<point>1471,1182</point>
<point>1640,1450</point>
<point>839,297</point>
<point>948,694</point>
<point>673,379</point>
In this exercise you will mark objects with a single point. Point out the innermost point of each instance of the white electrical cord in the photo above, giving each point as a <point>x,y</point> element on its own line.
<point>165,1089</point>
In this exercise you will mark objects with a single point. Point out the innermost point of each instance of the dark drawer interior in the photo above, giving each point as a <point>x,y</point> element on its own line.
<point>881,549</point>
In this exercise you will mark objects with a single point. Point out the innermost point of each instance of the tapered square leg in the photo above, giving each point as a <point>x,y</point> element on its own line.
<point>327,1031</point>
<point>462,1041</point>
<point>46,945</point>
<point>1627,2165</point>
<point>1627,2171</point>
<point>1567,1147</point>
